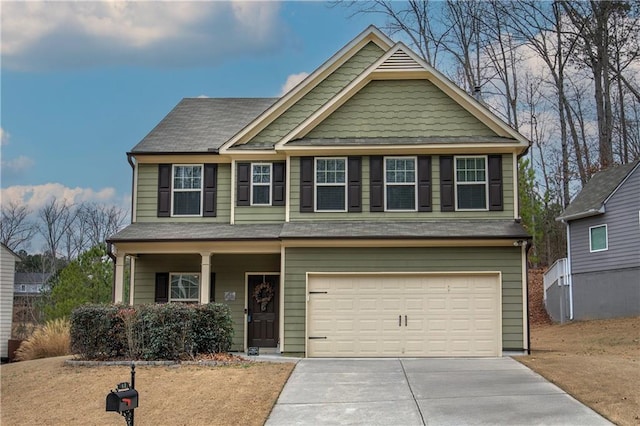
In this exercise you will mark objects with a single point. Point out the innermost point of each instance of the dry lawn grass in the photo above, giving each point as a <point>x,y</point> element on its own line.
<point>598,362</point>
<point>47,392</point>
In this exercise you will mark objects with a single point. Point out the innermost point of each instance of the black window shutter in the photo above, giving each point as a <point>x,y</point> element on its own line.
<point>424,183</point>
<point>447,202</point>
<point>162,287</point>
<point>278,184</point>
<point>376,184</point>
<point>212,288</point>
<point>355,184</point>
<point>210,190</point>
<point>306,184</point>
<point>164,190</point>
<point>495,182</point>
<point>244,181</point>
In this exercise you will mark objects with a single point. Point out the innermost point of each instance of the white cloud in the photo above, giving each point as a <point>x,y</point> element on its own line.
<point>17,165</point>
<point>292,81</point>
<point>4,137</point>
<point>36,196</point>
<point>59,35</point>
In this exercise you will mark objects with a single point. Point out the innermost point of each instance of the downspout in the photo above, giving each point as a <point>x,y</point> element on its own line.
<point>569,275</point>
<point>526,251</point>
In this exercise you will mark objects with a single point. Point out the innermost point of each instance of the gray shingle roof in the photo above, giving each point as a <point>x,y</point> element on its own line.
<point>399,141</point>
<point>202,124</point>
<point>190,231</point>
<point>590,201</point>
<point>405,230</point>
<point>473,229</point>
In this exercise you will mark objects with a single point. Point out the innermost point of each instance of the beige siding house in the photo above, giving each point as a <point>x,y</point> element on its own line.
<point>8,261</point>
<point>371,211</point>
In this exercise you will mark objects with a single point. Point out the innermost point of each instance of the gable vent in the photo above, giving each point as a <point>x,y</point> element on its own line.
<point>400,61</point>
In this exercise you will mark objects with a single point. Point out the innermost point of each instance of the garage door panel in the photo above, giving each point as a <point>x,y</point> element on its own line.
<point>404,315</point>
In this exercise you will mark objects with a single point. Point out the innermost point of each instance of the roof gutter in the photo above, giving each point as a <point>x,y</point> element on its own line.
<point>581,215</point>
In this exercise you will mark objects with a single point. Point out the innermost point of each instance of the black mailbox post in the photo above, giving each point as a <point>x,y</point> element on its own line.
<point>124,399</point>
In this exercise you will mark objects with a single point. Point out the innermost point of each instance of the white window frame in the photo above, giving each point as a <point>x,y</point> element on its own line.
<point>269,185</point>
<point>415,183</point>
<point>606,238</point>
<point>316,184</point>
<point>174,190</point>
<point>197,274</point>
<point>486,182</point>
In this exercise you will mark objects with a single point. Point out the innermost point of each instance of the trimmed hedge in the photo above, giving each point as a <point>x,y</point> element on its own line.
<point>168,331</point>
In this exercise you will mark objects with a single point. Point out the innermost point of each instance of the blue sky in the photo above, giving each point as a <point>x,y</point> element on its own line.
<point>83,82</point>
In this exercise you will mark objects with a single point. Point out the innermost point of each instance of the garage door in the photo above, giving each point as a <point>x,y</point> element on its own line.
<point>411,315</point>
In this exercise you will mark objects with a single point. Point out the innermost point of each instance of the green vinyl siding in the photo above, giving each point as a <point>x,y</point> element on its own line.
<point>259,214</point>
<point>319,95</point>
<point>230,272</point>
<point>400,108</point>
<point>299,261</point>
<point>507,187</point>
<point>147,196</point>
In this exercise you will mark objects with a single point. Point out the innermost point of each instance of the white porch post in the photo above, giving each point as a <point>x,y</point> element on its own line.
<point>205,277</point>
<point>119,279</point>
<point>132,279</point>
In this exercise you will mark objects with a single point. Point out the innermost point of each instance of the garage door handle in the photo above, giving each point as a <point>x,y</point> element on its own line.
<point>399,320</point>
<point>405,320</point>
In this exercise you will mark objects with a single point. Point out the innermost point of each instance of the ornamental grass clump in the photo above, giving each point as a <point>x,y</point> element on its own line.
<point>47,341</point>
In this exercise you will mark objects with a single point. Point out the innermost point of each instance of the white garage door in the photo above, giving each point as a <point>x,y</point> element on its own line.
<point>411,315</point>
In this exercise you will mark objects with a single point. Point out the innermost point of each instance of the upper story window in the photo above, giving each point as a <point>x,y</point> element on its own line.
<point>260,184</point>
<point>471,183</point>
<point>187,190</point>
<point>598,239</point>
<point>184,287</point>
<point>400,183</point>
<point>331,184</point>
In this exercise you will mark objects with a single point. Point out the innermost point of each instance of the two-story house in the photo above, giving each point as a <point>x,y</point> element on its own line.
<point>370,211</point>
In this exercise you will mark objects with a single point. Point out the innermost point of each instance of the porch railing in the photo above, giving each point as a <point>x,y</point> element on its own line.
<point>558,274</point>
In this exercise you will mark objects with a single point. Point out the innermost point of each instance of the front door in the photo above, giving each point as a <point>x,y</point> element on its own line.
<point>262,310</point>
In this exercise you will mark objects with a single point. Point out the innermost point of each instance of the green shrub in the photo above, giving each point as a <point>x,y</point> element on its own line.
<point>50,340</point>
<point>152,332</point>
<point>97,332</point>
<point>212,328</point>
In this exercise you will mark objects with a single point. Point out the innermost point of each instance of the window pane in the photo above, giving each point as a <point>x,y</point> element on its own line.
<point>185,287</point>
<point>330,170</point>
<point>400,170</point>
<point>186,203</point>
<point>261,173</point>
<point>470,169</point>
<point>187,177</point>
<point>598,238</point>
<point>472,196</point>
<point>330,198</point>
<point>401,197</point>
<point>260,194</point>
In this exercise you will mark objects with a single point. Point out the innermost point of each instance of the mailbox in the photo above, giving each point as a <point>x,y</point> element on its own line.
<point>122,401</point>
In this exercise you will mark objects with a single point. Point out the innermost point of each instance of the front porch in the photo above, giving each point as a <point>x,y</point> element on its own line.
<point>229,278</point>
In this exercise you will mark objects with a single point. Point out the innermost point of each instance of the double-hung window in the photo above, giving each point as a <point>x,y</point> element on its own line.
<point>400,183</point>
<point>184,287</point>
<point>598,239</point>
<point>261,184</point>
<point>187,190</point>
<point>331,187</point>
<point>471,183</point>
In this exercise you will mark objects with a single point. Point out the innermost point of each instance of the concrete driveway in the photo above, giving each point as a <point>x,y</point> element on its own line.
<point>404,392</point>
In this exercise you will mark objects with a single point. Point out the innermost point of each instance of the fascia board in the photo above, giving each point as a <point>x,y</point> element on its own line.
<point>370,34</point>
<point>399,149</point>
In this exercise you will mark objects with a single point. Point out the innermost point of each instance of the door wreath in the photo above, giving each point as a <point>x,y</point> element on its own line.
<point>263,293</point>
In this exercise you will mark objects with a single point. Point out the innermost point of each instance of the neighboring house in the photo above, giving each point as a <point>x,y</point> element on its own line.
<point>371,211</point>
<point>603,253</point>
<point>28,287</point>
<point>8,261</point>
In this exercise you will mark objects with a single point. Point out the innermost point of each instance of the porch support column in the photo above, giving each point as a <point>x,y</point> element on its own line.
<point>205,277</point>
<point>119,279</point>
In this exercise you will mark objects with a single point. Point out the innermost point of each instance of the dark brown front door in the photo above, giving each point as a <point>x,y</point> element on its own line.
<point>263,295</point>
